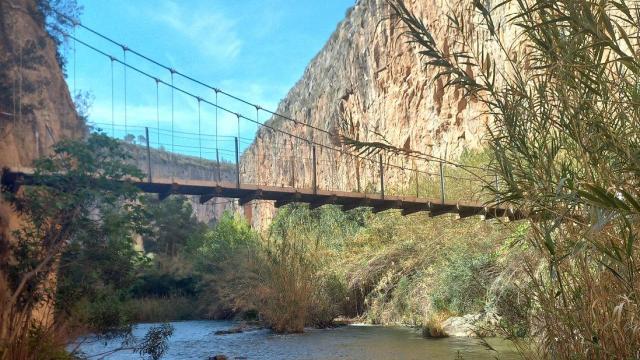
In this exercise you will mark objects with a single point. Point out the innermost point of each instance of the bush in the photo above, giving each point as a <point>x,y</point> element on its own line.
<point>432,328</point>
<point>225,261</point>
<point>287,285</point>
<point>463,280</point>
<point>299,284</point>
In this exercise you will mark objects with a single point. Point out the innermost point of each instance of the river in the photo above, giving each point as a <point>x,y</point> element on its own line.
<point>196,340</point>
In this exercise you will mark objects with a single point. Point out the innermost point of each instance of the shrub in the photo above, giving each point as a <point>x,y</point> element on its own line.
<point>432,328</point>
<point>463,279</point>
<point>298,283</point>
<point>558,80</point>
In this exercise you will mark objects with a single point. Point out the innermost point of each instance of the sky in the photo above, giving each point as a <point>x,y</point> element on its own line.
<point>254,49</point>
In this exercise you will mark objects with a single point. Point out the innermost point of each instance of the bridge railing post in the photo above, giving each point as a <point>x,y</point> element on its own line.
<point>146,135</point>
<point>442,186</point>
<point>314,179</point>
<point>381,175</point>
<point>237,164</point>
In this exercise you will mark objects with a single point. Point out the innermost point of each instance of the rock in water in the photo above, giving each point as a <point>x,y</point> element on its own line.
<point>218,357</point>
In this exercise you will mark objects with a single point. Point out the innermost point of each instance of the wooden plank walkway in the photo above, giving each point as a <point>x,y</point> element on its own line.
<point>245,193</point>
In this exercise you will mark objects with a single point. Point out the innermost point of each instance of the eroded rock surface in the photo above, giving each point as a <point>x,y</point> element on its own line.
<point>36,109</point>
<point>366,81</point>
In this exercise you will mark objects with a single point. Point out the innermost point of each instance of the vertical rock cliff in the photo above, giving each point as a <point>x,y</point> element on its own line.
<point>367,81</point>
<point>36,109</point>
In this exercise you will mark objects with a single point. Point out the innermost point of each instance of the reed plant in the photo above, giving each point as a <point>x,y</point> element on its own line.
<point>559,82</point>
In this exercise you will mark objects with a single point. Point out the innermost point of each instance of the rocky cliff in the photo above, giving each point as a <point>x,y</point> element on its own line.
<point>366,81</point>
<point>166,166</point>
<point>36,108</point>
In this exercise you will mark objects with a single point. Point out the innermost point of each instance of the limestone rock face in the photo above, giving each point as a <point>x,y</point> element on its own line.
<point>366,81</point>
<point>36,109</point>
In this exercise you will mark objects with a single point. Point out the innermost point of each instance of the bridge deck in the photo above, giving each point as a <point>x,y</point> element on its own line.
<point>207,190</point>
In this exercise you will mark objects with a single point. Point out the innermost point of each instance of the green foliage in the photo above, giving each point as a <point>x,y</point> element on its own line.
<point>328,226</point>
<point>155,341</point>
<point>79,216</point>
<point>564,134</point>
<point>60,209</point>
<point>231,235</point>
<point>101,261</point>
<point>224,260</point>
<point>299,281</point>
<point>463,280</point>
<point>173,225</point>
<point>58,18</point>
<point>406,269</point>
<point>170,308</point>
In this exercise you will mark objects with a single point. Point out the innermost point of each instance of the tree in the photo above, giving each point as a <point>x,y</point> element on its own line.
<point>58,17</point>
<point>172,225</point>
<point>76,195</point>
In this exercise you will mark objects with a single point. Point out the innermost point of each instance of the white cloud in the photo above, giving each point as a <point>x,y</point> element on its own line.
<point>212,33</point>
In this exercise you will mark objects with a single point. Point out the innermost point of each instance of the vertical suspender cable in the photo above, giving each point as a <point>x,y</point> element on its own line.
<point>216,136</point>
<point>238,126</point>
<point>199,130</point>
<point>216,120</point>
<point>124,51</point>
<point>172,112</point>
<point>172,120</point>
<point>158,110</point>
<point>113,117</point>
<point>256,138</point>
<point>238,150</point>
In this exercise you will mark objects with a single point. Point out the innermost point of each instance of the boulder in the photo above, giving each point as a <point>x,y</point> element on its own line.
<point>470,325</point>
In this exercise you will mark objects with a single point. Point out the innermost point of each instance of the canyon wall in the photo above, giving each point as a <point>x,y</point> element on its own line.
<point>366,83</point>
<point>36,109</point>
<point>166,166</point>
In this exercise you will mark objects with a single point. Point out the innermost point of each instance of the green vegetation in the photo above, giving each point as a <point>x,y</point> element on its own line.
<point>309,268</point>
<point>564,139</point>
<point>564,143</point>
<point>77,220</point>
<point>469,182</point>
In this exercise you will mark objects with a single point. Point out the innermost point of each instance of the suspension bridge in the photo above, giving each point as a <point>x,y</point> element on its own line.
<point>296,162</point>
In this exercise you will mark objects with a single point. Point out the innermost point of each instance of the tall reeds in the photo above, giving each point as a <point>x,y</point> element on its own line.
<point>559,82</point>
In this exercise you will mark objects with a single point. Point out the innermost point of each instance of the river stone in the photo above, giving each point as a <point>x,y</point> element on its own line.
<point>470,325</point>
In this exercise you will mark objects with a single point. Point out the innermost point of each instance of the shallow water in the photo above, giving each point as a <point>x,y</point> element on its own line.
<point>196,340</point>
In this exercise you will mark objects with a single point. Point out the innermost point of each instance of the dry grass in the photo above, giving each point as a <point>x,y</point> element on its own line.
<point>286,290</point>
<point>432,328</point>
<point>397,260</point>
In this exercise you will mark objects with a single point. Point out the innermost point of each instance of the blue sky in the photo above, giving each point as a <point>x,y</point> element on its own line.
<point>255,49</point>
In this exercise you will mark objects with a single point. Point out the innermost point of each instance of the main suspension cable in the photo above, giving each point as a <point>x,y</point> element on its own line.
<point>238,115</point>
